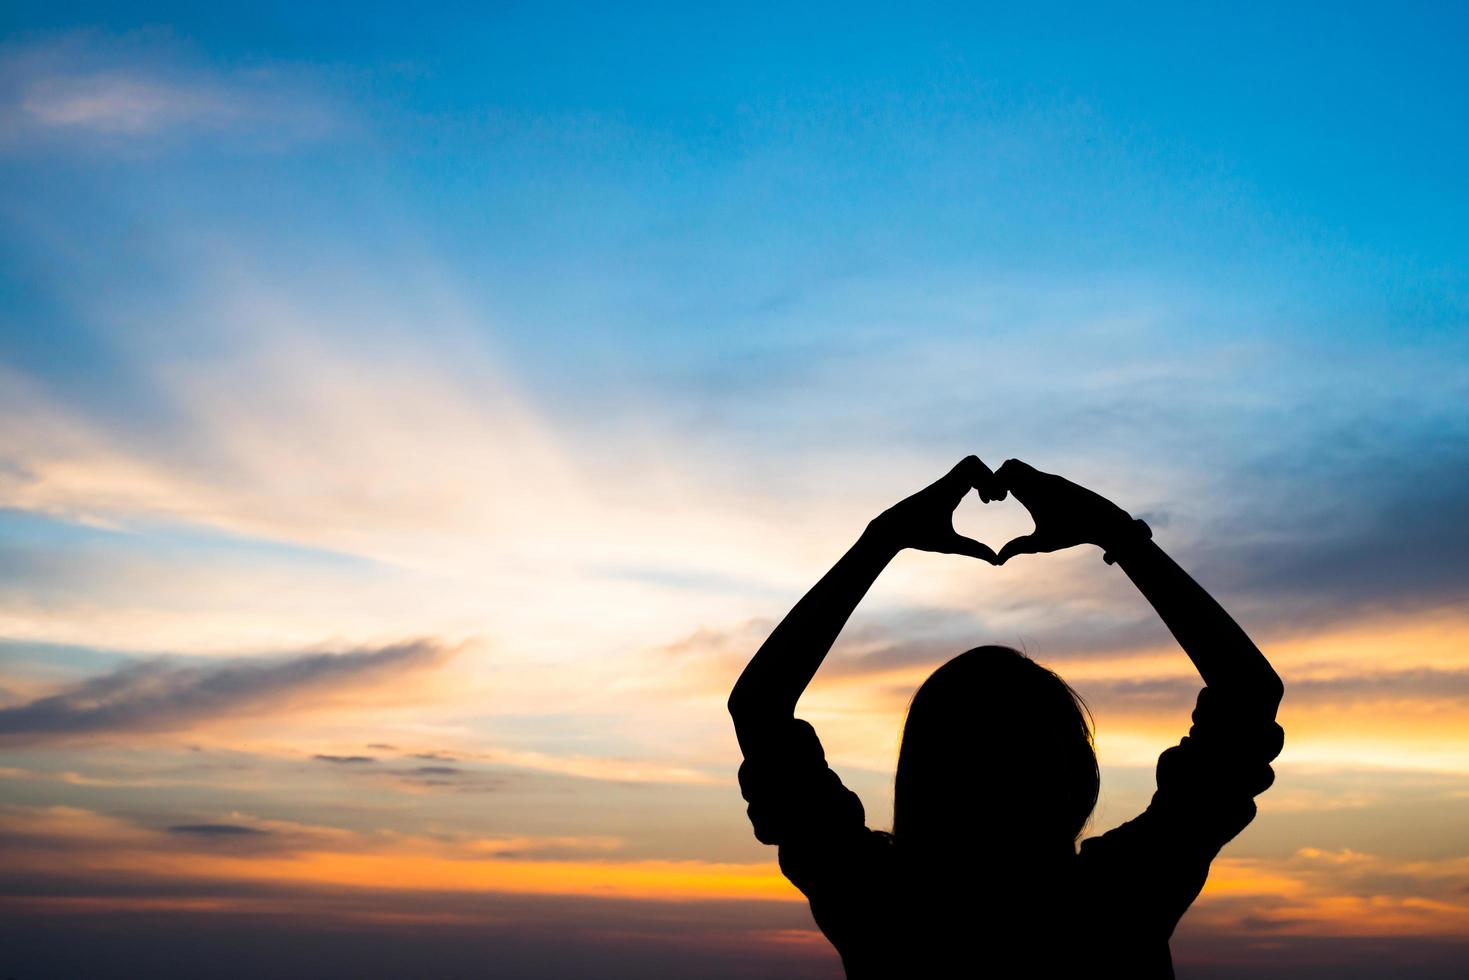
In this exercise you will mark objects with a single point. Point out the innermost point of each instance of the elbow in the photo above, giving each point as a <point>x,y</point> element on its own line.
<point>1257,693</point>
<point>1272,690</point>
<point>748,696</point>
<point>739,703</point>
<point>747,706</point>
<point>746,718</point>
<point>1277,692</point>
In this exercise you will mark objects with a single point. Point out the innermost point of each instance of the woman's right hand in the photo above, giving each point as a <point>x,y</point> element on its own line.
<point>925,520</point>
<point>1065,513</point>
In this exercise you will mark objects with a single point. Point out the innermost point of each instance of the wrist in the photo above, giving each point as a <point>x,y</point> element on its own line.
<point>1124,537</point>
<point>880,535</point>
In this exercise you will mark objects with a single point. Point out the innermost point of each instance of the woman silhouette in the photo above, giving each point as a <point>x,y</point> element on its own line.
<point>981,874</point>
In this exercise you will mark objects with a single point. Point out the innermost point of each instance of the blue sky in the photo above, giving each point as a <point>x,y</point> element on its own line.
<point>528,362</point>
<point>663,201</point>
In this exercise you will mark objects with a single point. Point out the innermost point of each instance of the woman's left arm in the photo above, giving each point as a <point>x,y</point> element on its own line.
<point>1224,655</point>
<point>1067,514</point>
<point>764,698</point>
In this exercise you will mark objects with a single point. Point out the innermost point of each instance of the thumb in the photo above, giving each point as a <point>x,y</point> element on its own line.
<point>1016,476</point>
<point>960,545</point>
<point>1026,544</point>
<point>967,473</point>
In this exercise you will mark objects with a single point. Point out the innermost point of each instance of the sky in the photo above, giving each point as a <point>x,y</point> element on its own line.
<point>411,421</point>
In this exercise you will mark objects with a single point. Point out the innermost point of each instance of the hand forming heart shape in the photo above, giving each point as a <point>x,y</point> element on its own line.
<point>1065,513</point>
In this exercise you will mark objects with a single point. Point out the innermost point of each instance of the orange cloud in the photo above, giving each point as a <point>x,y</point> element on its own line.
<point>72,842</point>
<point>1317,892</point>
<point>1312,892</point>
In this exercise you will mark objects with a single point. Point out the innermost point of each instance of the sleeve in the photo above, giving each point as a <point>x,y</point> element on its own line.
<point>1208,782</point>
<point>1206,789</point>
<point>798,803</point>
<point>793,795</point>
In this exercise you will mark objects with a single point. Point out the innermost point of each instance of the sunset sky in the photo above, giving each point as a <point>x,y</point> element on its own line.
<point>412,420</point>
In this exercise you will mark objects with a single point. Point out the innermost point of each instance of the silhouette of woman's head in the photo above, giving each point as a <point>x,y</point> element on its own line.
<point>995,746</point>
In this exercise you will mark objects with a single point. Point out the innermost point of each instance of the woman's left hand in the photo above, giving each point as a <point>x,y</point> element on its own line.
<point>925,521</point>
<point>1065,514</point>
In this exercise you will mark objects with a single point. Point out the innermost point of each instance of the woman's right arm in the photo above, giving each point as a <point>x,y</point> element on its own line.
<point>764,699</point>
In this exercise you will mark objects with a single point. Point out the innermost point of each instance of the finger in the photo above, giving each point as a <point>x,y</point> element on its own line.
<point>960,545</point>
<point>967,469</point>
<point>984,482</point>
<point>1012,470</point>
<point>1016,476</point>
<point>1026,544</point>
<point>975,475</point>
<point>958,481</point>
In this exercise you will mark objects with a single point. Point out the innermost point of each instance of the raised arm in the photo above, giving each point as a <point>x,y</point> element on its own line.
<point>1225,656</point>
<point>765,696</point>
<point>1067,514</point>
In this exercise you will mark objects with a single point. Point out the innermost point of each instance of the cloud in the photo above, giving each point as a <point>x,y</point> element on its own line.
<point>67,860</point>
<point>164,695</point>
<point>1336,892</point>
<point>62,840</point>
<point>1385,527</point>
<point>1419,684</point>
<point>215,830</point>
<point>344,759</point>
<point>117,103</point>
<point>126,92</point>
<point>913,638</point>
<point>90,924</point>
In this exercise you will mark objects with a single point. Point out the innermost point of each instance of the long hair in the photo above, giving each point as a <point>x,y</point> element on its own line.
<point>995,743</point>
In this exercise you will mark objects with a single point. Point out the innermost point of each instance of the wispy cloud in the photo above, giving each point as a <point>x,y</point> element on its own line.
<point>164,695</point>
<point>1358,525</point>
<point>215,830</point>
<point>138,91</point>
<point>1336,892</point>
<point>1340,689</point>
<point>1309,892</point>
<point>607,910</point>
<point>32,839</point>
<point>118,103</point>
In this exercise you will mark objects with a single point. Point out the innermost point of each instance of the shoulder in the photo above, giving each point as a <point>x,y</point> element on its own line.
<point>1097,854</point>
<point>1205,796</point>
<point>837,866</point>
<point>1152,869</point>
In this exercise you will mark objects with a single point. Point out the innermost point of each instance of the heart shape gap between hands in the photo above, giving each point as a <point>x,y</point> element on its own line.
<point>992,523</point>
<point>1065,513</point>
